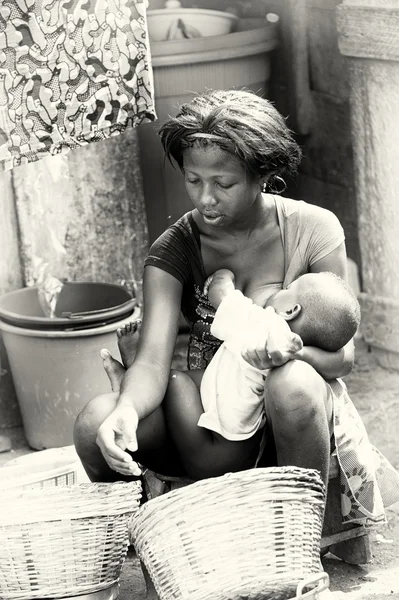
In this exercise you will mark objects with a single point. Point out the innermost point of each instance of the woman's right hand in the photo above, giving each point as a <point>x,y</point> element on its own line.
<point>116,435</point>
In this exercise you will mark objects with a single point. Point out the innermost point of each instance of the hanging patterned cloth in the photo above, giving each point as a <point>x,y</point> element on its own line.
<point>71,72</point>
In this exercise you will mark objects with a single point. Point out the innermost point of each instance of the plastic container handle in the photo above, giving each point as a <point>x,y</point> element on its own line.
<point>322,580</point>
<point>84,313</point>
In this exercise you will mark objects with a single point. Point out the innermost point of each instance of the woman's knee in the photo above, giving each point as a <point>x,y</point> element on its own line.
<point>175,377</point>
<point>91,417</point>
<point>179,387</point>
<point>179,378</point>
<point>295,390</point>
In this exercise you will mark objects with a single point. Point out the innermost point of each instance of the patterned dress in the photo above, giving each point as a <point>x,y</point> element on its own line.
<point>71,73</point>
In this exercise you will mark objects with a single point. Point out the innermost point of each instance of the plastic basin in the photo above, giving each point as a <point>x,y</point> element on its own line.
<point>100,303</point>
<point>214,48</point>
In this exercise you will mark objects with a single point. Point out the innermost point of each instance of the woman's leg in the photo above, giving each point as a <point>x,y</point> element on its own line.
<point>170,441</point>
<point>299,411</point>
<point>157,450</point>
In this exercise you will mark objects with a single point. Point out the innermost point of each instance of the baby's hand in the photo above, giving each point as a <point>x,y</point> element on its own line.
<point>218,286</point>
<point>280,345</point>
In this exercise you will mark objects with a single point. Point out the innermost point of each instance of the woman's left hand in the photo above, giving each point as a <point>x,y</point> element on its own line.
<point>281,345</point>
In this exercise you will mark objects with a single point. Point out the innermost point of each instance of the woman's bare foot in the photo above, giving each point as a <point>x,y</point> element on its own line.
<point>113,369</point>
<point>127,342</point>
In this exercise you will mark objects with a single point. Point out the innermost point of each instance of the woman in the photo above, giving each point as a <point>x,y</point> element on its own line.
<point>231,146</point>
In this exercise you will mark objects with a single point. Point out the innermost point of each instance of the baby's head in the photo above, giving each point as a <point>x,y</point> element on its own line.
<point>321,308</point>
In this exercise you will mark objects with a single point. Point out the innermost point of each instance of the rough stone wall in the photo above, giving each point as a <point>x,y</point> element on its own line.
<point>83,213</point>
<point>10,279</point>
<point>310,87</point>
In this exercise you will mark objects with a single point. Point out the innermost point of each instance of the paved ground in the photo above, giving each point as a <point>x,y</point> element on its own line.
<point>375,392</point>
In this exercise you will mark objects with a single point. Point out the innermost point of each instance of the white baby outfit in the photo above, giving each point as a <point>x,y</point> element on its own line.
<point>232,390</point>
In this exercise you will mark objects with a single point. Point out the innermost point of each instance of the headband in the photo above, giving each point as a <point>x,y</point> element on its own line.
<point>209,136</point>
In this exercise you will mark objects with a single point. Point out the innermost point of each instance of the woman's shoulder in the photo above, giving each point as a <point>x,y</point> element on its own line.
<point>176,250</point>
<point>311,232</point>
<point>179,230</point>
<point>308,215</point>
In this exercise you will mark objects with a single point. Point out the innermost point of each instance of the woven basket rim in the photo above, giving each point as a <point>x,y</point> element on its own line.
<point>72,502</point>
<point>277,483</point>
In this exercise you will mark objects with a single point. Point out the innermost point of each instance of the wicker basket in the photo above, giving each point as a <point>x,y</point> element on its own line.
<point>64,541</point>
<point>250,534</point>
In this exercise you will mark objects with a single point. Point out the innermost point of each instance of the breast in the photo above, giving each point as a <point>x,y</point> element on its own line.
<point>261,294</point>
<point>257,262</point>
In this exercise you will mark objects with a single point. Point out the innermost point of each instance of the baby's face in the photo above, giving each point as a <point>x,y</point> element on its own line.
<point>285,300</point>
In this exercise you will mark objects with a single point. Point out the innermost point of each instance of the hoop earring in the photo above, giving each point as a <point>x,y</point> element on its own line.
<point>280,189</point>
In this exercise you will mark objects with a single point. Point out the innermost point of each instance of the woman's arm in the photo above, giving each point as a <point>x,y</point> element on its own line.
<point>330,364</point>
<point>145,382</point>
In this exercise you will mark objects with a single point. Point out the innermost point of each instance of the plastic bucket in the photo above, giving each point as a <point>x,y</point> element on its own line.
<point>55,374</point>
<point>80,304</point>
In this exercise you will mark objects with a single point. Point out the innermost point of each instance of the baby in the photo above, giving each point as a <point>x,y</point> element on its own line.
<point>317,309</point>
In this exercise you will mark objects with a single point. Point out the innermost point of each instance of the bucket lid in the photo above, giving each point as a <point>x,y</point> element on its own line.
<point>80,305</point>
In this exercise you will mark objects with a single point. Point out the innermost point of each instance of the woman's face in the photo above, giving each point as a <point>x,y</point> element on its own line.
<point>218,185</point>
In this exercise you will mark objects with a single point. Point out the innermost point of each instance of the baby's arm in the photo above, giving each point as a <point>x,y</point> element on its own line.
<point>219,285</point>
<point>259,335</point>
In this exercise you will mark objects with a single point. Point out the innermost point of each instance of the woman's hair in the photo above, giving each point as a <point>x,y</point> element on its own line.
<point>246,125</point>
<point>330,311</point>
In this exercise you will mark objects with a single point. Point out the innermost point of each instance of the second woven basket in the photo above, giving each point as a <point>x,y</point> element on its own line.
<point>64,541</point>
<point>250,534</point>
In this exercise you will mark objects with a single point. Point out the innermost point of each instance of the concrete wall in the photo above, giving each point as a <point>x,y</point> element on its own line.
<point>369,39</point>
<point>10,279</point>
<point>310,87</point>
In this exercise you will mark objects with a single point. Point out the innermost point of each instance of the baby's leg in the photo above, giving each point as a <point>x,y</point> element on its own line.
<point>127,343</point>
<point>202,452</point>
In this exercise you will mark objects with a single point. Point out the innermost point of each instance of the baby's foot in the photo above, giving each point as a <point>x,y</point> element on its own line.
<point>113,369</point>
<point>127,342</point>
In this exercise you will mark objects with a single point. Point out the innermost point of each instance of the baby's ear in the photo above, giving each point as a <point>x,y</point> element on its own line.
<point>291,313</point>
